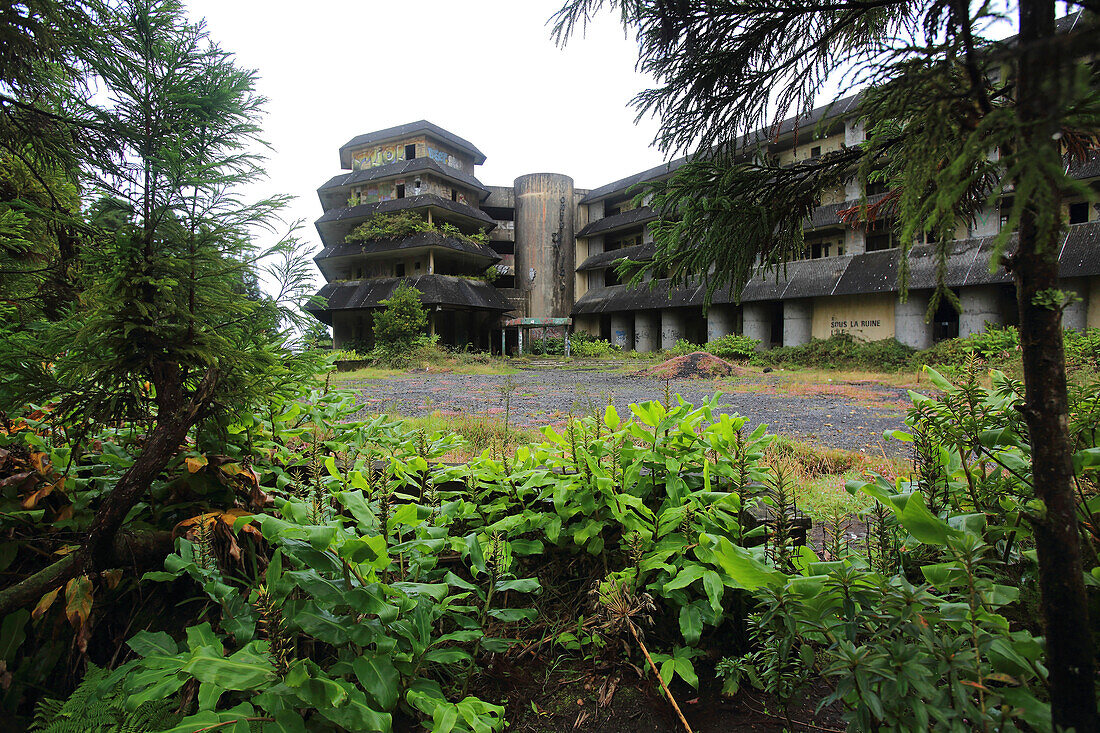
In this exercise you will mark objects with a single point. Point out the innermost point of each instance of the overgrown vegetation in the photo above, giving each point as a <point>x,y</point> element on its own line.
<point>350,577</point>
<point>401,224</point>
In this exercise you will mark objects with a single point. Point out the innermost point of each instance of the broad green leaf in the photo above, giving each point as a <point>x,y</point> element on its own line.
<point>379,678</point>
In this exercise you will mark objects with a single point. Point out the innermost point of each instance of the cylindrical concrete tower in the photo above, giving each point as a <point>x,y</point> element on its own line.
<point>545,245</point>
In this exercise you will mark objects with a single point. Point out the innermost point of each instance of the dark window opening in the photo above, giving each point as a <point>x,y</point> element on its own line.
<point>454,194</point>
<point>945,323</point>
<point>1079,213</point>
<point>876,187</point>
<point>416,266</point>
<point>815,251</point>
<point>881,235</point>
<point>840,250</point>
<point>815,152</point>
<point>399,269</point>
<point>612,211</point>
<point>401,190</point>
<point>611,277</point>
<point>410,152</point>
<point>1006,210</point>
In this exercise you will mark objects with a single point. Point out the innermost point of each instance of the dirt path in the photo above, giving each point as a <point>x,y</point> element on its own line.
<point>852,416</point>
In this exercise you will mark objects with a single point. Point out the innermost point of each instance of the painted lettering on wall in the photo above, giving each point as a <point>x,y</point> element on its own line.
<point>374,157</point>
<point>444,158</point>
<point>838,326</point>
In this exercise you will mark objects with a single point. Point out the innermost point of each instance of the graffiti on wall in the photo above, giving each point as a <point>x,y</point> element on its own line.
<point>444,158</point>
<point>374,157</point>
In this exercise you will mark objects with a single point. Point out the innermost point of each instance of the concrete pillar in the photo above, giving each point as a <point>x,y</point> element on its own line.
<point>721,321</point>
<point>798,319</point>
<point>757,323</point>
<point>909,325</point>
<point>855,241</point>
<point>980,305</point>
<point>622,330</point>
<point>672,327</point>
<point>647,330</point>
<point>1076,314</point>
<point>462,328</point>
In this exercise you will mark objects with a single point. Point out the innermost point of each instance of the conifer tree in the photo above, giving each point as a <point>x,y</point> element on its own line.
<point>170,328</point>
<point>933,113</point>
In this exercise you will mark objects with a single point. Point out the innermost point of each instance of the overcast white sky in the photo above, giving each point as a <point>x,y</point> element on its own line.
<point>486,70</point>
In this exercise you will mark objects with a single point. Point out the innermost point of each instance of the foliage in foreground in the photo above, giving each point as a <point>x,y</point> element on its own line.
<point>375,583</point>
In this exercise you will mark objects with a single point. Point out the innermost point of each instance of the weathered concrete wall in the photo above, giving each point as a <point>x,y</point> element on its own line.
<point>909,325</point>
<point>545,243</point>
<point>587,324</point>
<point>868,317</point>
<point>672,327</point>
<point>1076,314</point>
<point>647,331</point>
<point>721,321</point>
<point>757,323</point>
<point>980,305</point>
<point>798,316</point>
<point>622,330</point>
<point>1094,303</point>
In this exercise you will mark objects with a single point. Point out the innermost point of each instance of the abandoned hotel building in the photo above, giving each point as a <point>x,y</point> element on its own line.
<point>551,251</point>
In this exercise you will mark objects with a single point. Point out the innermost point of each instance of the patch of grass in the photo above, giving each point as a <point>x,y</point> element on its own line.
<point>496,366</point>
<point>479,432</point>
<point>820,474</point>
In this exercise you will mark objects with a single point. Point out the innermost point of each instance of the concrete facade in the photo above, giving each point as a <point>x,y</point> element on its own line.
<point>756,319</point>
<point>647,331</point>
<point>798,316</point>
<point>910,327</point>
<point>721,321</point>
<point>553,250</point>
<point>673,327</point>
<point>622,331</point>
<point>980,306</point>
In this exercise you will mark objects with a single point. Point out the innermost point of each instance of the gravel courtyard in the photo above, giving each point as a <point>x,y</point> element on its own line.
<point>849,415</point>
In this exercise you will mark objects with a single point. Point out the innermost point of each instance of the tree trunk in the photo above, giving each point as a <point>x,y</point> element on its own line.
<point>99,551</point>
<point>1035,266</point>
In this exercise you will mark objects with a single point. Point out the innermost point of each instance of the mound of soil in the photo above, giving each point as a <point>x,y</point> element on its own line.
<point>696,365</point>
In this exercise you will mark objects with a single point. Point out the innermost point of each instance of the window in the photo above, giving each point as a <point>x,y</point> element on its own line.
<point>815,251</point>
<point>1006,210</point>
<point>410,152</point>
<point>876,187</point>
<point>454,194</point>
<point>1079,212</point>
<point>840,250</point>
<point>880,236</point>
<point>401,190</point>
<point>416,266</point>
<point>399,269</point>
<point>815,151</point>
<point>416,187</point>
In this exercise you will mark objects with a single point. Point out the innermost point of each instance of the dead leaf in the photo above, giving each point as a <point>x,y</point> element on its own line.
<point>112,577</point>
<point>42,492</point>
<point>44,603</point>
<point>40,463</point>
<point>16,479</point>
<point>195,463</point>
<point>78,601</point>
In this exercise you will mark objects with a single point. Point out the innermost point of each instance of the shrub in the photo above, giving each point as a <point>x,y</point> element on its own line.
<point>840,350</point>
<point>1083,348</point>
<point>733,346</point>
<point>403,320</point>
<point>684,347</point>
<point>594,349</point>
<point>406,223</point>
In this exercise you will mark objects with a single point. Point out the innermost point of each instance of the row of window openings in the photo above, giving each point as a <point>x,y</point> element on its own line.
<point>399,270</point>
<point>416,191</point>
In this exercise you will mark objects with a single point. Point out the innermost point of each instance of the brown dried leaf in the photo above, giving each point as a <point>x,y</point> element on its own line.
<point>112,577</point>
<point>78,601</point>
<point>195,463</point>
<point>44,603</point>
